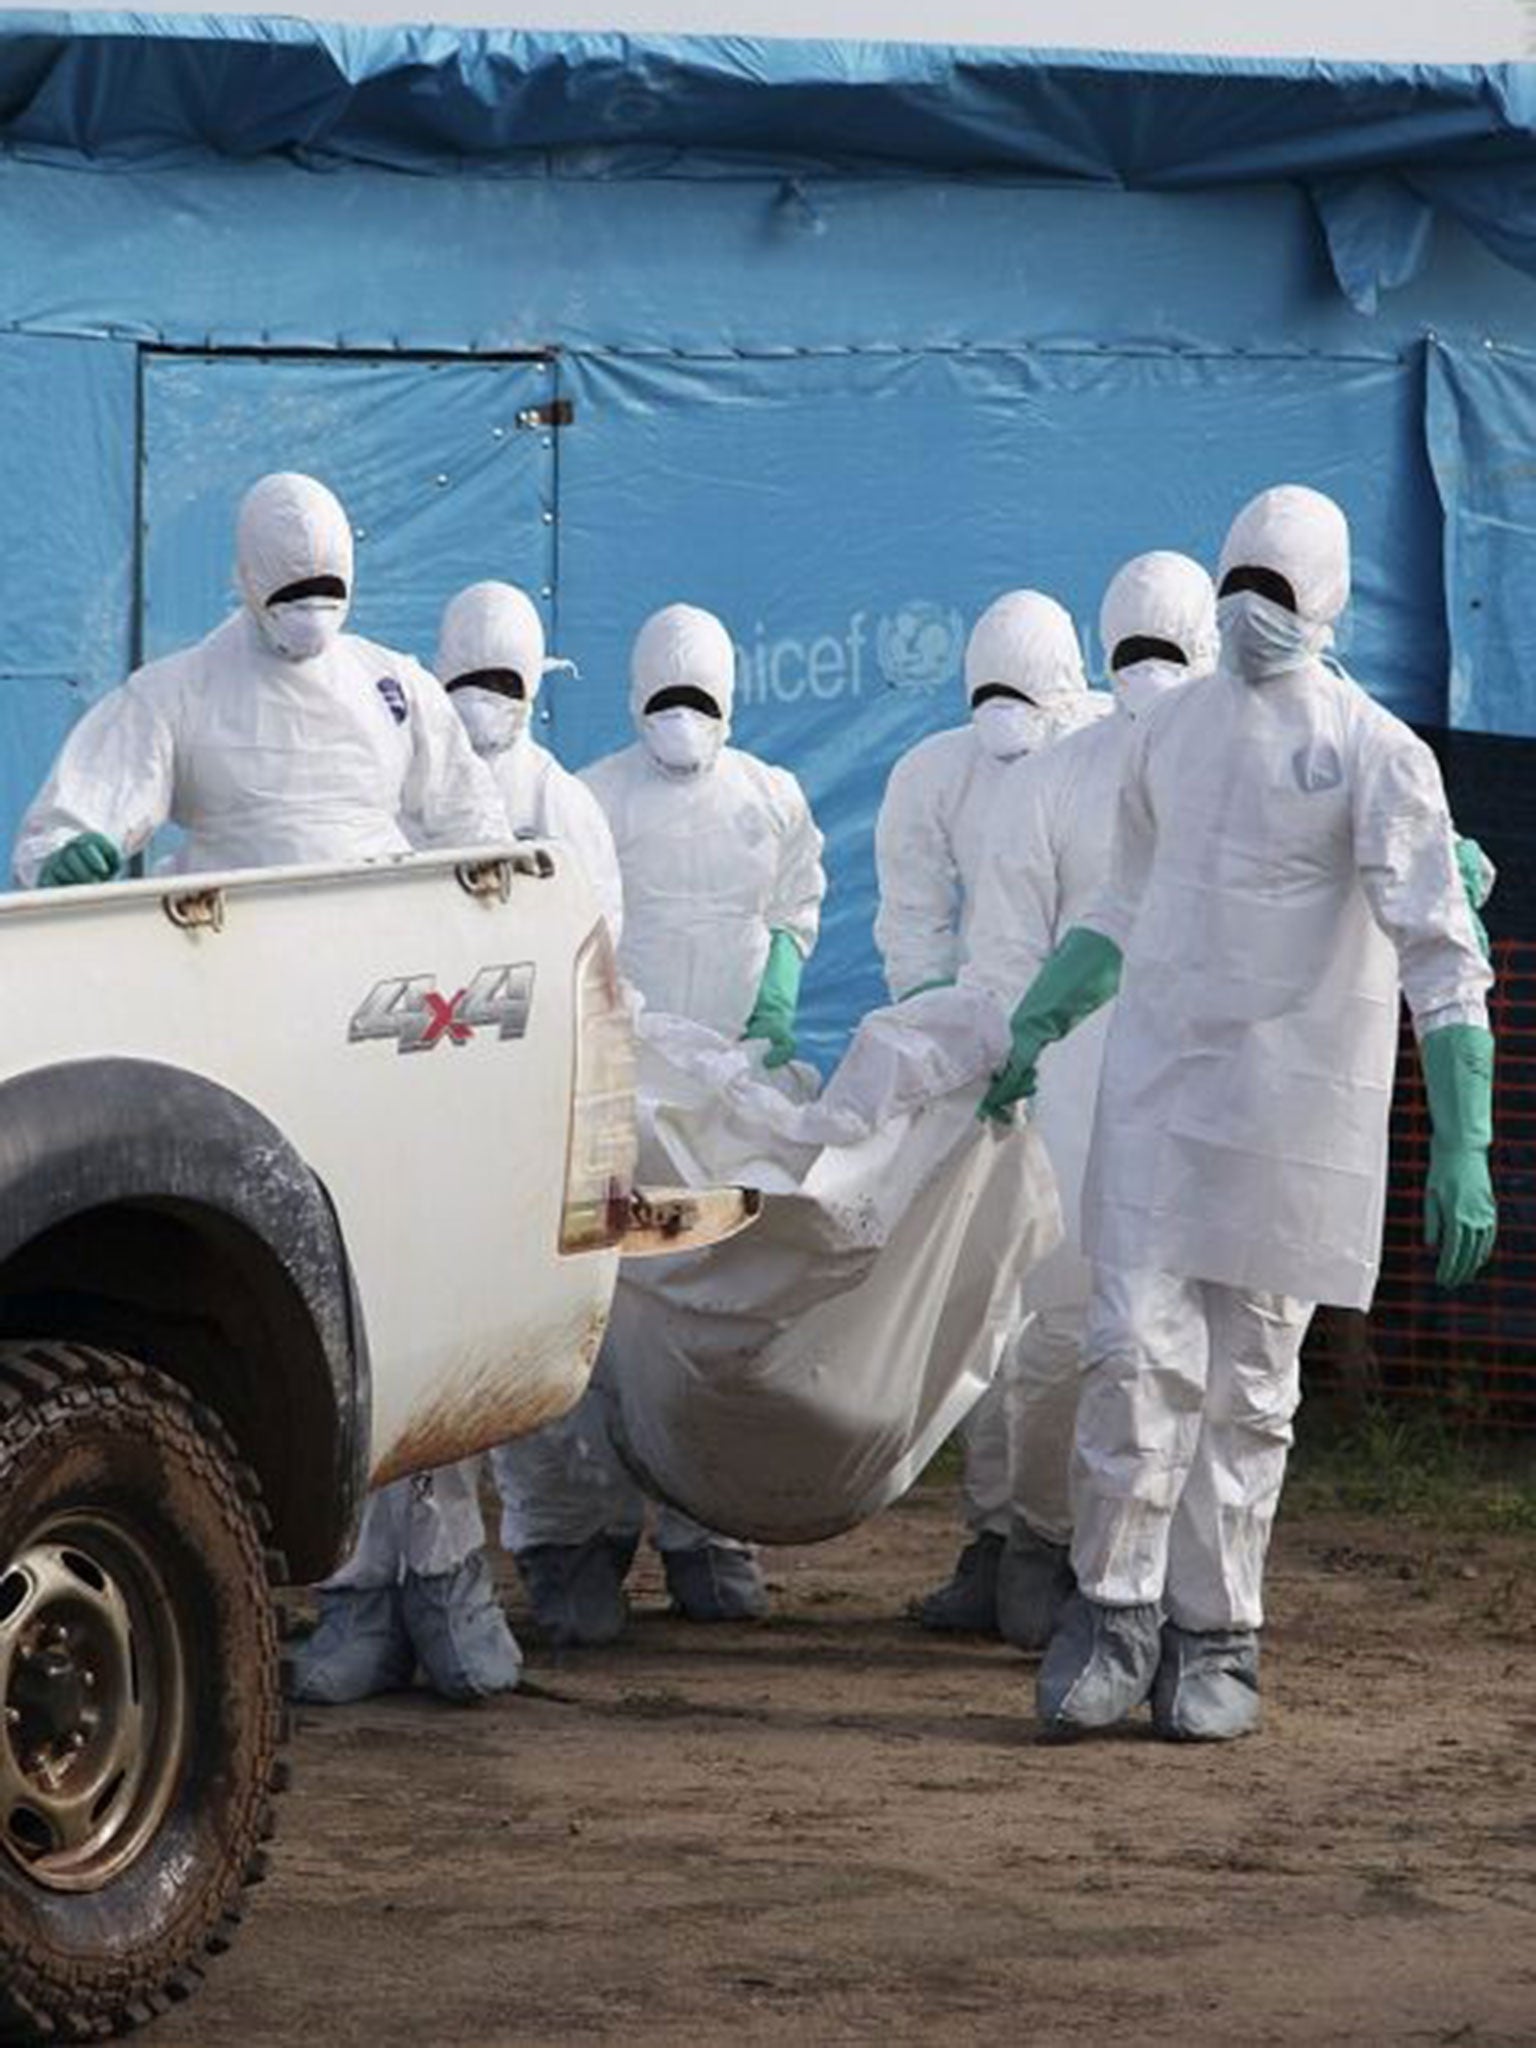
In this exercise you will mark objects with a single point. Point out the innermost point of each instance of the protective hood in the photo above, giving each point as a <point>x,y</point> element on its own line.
<point>1026,641</point>
<point>682,647</point>
<point>290,529</point>
<point>1298,534</point>
<point>492,625</point>
<point>1159,596</point>
<point>1302,535</point>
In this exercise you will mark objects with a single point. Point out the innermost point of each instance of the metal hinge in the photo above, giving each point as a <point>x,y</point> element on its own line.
<point>560,412</point>
<point>196,910</point>
<point>664,1220</point>
<point>491,880</point>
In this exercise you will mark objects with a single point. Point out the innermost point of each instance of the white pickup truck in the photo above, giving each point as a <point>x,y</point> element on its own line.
<point>308,1178</point>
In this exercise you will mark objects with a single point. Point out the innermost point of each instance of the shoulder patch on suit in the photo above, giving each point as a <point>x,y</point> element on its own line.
<point>1318,767</point>
<point>393,693</point>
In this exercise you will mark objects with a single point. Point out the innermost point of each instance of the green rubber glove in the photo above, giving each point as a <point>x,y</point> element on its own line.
<point>89,857</point>
<point>1478,875</point>
<point>1080,976</point>
<point>1460,1215</point>
<point>778,994</point>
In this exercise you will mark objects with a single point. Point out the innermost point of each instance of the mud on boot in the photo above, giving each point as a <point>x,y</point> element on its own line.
<point>358,1647</point>
<point>715,1582</point>
<point>1035,1581</point>
<point>576,1590</point>
<point>966,1604</point>
<point>466,1649</point>
<point>1207,1685</point>
<point>1099,1667</point>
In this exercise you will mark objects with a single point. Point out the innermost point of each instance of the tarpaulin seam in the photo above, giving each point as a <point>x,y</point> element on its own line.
<point>1005,351</point>
<point>239,342</point>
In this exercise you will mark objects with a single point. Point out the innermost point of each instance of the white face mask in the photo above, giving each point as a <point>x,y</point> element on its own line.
<point>1138,688</point>
<point>1261,640</point>
<point>681,740</point>
<point>1007,728</point>
<point>303,629</point>
<point>492,720</point>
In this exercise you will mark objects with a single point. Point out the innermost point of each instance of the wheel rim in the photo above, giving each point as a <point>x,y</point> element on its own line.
<point>93,1679</point>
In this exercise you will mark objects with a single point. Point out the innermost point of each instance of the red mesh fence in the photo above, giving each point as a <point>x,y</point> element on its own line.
<point>1473,1353</point>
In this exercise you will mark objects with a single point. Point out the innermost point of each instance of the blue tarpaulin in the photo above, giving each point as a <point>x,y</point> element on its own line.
<point>854,337</point>
<point>1482,406</point>
<point>141,84</point>
<point>1381,143</point>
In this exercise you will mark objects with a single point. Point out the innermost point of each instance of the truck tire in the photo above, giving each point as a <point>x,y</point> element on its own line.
<point>139,1688</point>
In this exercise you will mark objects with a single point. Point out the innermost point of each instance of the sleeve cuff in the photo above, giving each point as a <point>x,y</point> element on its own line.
<point>1473,1011</point>
<point>1104,920</point>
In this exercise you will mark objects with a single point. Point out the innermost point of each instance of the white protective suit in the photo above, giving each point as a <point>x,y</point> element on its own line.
<point>495,626</point>
<point>717,850</point>
<point>1045,865</point>
<point>1283,863</point>
<point>262,759</point>
<point>930,836</point>
<point>280,740</point>
<point>714,859</point>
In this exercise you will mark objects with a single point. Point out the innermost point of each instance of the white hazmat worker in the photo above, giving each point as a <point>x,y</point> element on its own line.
<point>1045,865</point>
<point>1024,684</point>
<point>282,739</point>
<point>279,739</point>
<point>1284,865</point>
<point>720,855</point>
<point>721,862</point>
<point>492,661</point>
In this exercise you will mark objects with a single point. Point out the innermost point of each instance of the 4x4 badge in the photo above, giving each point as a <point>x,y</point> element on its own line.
<point>411,1010</point>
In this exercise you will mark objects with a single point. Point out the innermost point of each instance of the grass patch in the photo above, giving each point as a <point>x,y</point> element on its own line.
<point>1414,1466</point>
<point>947,1464</point>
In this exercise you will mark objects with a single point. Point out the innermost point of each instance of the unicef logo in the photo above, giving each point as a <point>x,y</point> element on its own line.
<point>919,645</point>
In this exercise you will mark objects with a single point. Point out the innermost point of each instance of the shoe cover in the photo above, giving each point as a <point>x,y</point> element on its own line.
<point>461,1636</point>
<point>1207,1685</point>
<point>715,1582</point>
<point>1035,1581</point>
<point>577,1589</point>
<point>966,1604</point>
<point>1099,1667</point>
<point>359,1647</point>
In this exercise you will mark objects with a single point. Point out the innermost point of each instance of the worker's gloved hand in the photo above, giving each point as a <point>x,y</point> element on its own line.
<point>1460,1214</point>
<point>922,988</point>
<point>89,857</point>
<point>1081,975</point>
<point>778,994</point>
<point>1478,875</point>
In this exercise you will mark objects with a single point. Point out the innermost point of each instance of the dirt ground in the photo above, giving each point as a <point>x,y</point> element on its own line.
<point>830,1828</point>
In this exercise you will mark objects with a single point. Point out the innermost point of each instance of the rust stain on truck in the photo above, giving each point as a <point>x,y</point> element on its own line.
<point>495,1399</point>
